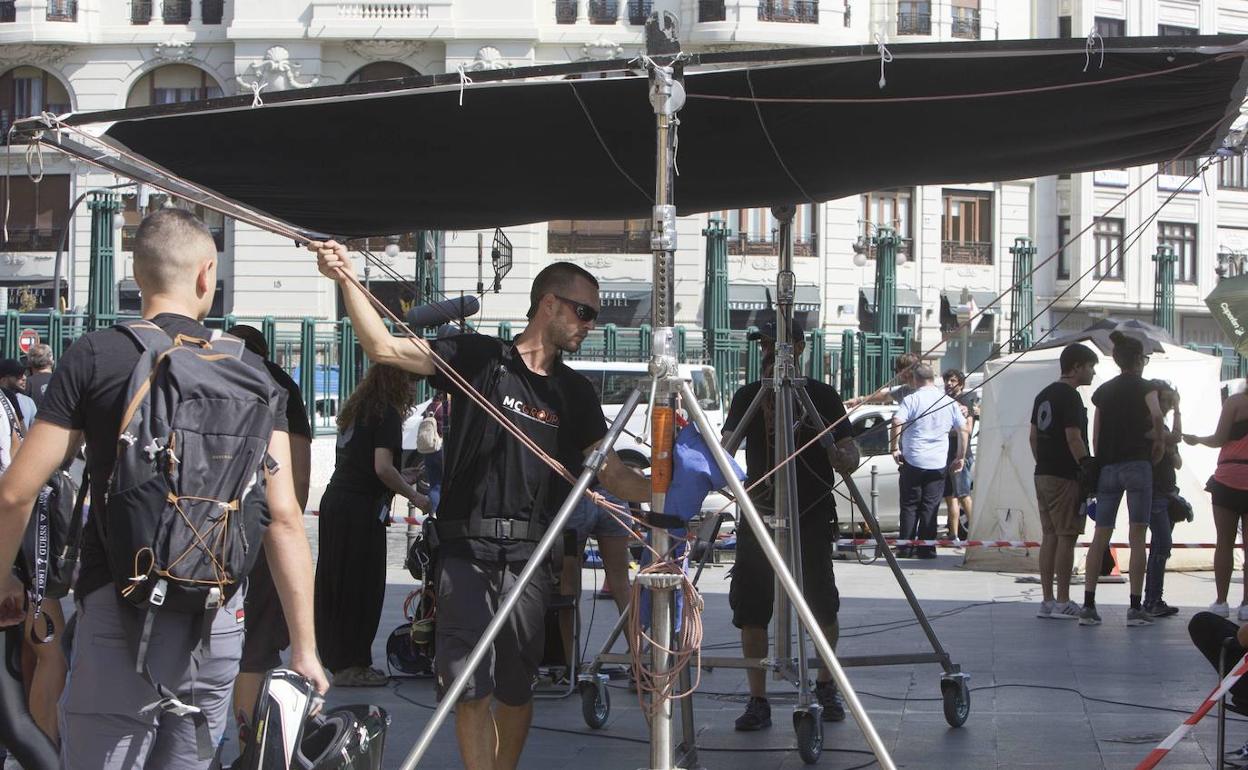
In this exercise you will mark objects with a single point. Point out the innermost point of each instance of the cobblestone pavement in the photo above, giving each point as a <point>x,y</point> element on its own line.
<point>1045,693</point>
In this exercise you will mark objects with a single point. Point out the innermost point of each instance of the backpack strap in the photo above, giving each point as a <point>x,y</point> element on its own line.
<point>138,632</point>
<point>147,335</point>
<point>14,420</point>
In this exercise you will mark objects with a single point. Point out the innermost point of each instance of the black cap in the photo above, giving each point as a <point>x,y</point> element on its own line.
<point>768,331</point>
<point>11,367</point>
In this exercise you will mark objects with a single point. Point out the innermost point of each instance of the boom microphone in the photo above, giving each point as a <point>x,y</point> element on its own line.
<point>437,313</point>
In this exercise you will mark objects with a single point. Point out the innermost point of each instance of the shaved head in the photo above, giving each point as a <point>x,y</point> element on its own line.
<point>170,247</point>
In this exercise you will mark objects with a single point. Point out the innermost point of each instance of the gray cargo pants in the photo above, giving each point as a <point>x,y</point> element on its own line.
<point>101,726</point>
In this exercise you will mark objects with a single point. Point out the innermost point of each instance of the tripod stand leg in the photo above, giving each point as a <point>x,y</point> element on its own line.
<point>882,546</point>
<point>750,514</point>
<point>537,561</point>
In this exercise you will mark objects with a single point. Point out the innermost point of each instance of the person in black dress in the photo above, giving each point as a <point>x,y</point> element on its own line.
<point>355,511</point>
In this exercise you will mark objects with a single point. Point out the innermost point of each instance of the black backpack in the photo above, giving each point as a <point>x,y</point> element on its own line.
<point>185,510</point>
<point>53,538</point>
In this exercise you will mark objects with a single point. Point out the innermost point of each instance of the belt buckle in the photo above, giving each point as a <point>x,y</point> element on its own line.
<point>502,528</point>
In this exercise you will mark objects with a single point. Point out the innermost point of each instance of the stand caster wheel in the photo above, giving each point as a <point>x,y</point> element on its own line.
<point>957,698</point>
<point>595,703</point>
<point>809,728</point>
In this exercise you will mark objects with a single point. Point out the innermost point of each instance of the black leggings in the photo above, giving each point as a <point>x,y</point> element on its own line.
<point>1209,632</point>
<point>350,578</point>
<point>18,731</point>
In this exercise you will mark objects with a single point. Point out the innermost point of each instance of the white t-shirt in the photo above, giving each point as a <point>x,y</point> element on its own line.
<point>929,415</point>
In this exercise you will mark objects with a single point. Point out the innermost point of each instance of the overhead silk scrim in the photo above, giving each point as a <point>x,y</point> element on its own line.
<point>759,128</point>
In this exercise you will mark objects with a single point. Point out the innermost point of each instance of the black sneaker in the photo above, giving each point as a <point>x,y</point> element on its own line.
<point>903,552</point>
<point>1159,609</point>
<point>830,698</point>
<point>757,715</point>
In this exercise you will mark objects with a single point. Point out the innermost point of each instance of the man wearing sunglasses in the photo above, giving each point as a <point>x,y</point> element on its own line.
<point>497,496</point>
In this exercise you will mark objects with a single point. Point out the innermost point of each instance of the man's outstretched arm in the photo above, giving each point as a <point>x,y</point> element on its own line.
<point>411,354</point>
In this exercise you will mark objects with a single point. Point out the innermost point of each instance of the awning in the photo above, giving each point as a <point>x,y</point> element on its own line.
<point>751,297</point>
<point>624,303</point>
<point>412,153</point>
<point>619,293</point>
<point>953,298</point>
<point>908,302</point>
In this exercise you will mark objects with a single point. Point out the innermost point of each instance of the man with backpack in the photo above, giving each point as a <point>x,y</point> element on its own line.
<point>498,497</point>
<point>176,515</point>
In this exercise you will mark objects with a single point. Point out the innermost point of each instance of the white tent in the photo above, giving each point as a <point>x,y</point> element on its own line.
<point>1005,497</point>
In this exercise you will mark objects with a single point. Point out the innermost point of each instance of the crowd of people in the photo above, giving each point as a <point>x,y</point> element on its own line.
<point>178,676</point>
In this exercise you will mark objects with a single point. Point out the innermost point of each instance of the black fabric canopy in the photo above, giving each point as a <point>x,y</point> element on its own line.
<point>347,163</point>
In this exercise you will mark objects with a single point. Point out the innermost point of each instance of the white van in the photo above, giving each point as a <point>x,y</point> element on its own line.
<point>613,380</point>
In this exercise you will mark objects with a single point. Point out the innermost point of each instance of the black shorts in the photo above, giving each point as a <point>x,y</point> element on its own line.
<point>470,591</point>
<point>752,591</point>
<point>264,621</point>
<point>1235,500</point>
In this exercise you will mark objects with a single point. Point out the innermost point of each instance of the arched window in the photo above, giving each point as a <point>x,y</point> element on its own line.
<point>382,70</point>
<point>171,84</point>
<point>27,91</point>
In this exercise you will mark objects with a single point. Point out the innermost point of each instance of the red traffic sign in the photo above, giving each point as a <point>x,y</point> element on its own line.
<point>27,340</point>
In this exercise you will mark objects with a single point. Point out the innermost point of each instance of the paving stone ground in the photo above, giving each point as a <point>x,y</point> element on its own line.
<point>1033,682</point>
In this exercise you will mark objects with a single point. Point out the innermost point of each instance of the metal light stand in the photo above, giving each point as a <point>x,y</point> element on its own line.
<point>789,390</point>
<point>667,97</point>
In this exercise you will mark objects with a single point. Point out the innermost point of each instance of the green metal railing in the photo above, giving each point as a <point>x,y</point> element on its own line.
<point>1234,365</point>
<point>335,361</point>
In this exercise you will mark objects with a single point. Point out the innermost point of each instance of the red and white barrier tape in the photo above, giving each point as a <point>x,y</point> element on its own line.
<point>989,543</point>
<point>1172,740</point>
<point>846,542</point>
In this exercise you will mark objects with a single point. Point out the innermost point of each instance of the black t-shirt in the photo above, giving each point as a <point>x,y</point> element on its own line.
<point>1058,407</point>
<point>296,414</point>
<point>488,471</point>
<point>1124,419</point>
<point>815,477</point>
<point>1165,477</point>
<point>354,470</point>
<point>88,393</point>
<point>36,385</point>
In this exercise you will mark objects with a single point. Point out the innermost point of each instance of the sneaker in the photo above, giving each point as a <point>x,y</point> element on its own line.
<point>1220,609</point>
<point>1066,611</point>
<point>1088,616</point>
<point>830,698</point>
<point>1046,609</point>
<point>1159,609</point>
<point>360,676</point>
<point>1139,617</point>
<point>757,716</point>
<point>903,552</point>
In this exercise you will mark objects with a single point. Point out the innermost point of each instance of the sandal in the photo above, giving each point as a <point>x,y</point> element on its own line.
<point>360,676</point>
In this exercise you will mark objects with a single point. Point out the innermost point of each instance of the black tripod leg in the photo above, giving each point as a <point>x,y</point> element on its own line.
<point>882,545</point>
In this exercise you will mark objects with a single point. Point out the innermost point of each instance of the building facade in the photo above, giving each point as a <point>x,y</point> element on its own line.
<point>83,55</point>
<point>1202,217</point>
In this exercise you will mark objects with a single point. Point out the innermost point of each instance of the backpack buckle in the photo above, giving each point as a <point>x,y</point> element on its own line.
<point>157,597</point>
<point>214,601</point>
<point>502,528</point>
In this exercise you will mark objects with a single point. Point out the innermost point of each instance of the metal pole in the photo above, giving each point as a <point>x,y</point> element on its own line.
<point>537,561</point>
<point>785,503</point>
<point>667,96</point>
<point>804,613</point>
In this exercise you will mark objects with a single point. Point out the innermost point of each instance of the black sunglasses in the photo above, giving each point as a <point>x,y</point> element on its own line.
<point>583,312</point>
